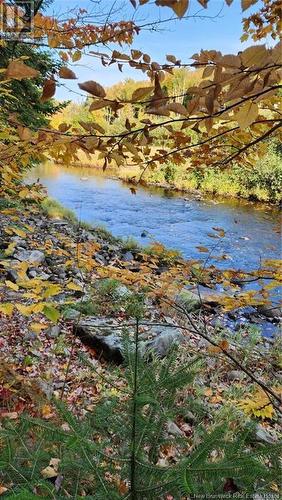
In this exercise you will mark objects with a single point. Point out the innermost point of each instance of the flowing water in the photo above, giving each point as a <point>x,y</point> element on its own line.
<point>178,221</point>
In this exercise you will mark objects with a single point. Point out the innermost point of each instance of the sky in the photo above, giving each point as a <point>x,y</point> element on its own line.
<point>217,27</point>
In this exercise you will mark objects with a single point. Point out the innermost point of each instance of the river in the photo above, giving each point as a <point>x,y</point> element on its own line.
<point>179,221</point>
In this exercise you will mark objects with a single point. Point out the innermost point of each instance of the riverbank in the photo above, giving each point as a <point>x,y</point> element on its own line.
<point>261,183</point>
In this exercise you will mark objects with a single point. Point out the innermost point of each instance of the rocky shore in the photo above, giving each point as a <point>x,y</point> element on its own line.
<point>47,245</point>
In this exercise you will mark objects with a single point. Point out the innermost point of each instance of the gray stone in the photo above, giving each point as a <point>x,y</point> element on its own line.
<point>122,291</point>
<point>30,336</point>
<point>32,273</point>
<point>36,257</point>
<point>71,314</point>
<point>19,241</point>
<point>12,275</point>
<point>33,257</point>
<point>100,259</point>
<point>173,429</point>
<point>21,255</point>
<point>106,339</point>
<point>105,343</point>
<point>128,257</point>
<point>53,332</point>
<point>144,234</point>
<point>264,436</point>
<point>163,342</point>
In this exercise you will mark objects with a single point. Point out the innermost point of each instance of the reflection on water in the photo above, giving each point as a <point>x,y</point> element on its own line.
<point>177,220</point>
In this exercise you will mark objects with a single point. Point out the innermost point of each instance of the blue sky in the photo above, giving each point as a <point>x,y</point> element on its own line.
<point>219,27</point>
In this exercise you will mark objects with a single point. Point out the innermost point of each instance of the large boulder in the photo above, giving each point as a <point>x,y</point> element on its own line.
<point>105,337</point>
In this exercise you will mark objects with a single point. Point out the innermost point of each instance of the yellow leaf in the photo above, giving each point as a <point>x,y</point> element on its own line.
<point>208,392</point>
<point>23,193</point>
<point>25,310</point>
<point>19,232</point>
<point>11,285</point>
<point>52,290</point>
<point>25,133</point>
<point>37,308</point>
<point>73,286</point>
<point>38,327</point>
<point>7,308</point>
<point>246,114</point>
<point>49,472</point>
<point>47,412</point>
<point>10,249</point>
<point>76,56</point>
<point>257,404</point>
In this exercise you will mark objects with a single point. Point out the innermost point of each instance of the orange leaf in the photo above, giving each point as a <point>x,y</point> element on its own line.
<point>93,88</point>
<point>49,90</point>
<point>67,73</point>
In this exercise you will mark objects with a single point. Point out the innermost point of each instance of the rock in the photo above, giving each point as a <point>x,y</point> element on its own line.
<point>105,343</point>
<point>188,300</point>
<point>163,342</point>
<point>269,311</point>
<point>53,332</point>
<point>19,241</point>
<point>263,435</point>
<point>36,257</point>
<point>100,259</point>
<point>108,343</point>
<point>71,314</point>
<point>33,257</point>
<point>173,429</point>
<point>30,336</point>
<point>44,276</point>
<point>128,257</point>
<point>161,269</point>
<point>144,234</point>
<point>12,275</point>
<point>235,375</point>
<point>122,292</point>
<point>32,273</point>
<point>21,255</point>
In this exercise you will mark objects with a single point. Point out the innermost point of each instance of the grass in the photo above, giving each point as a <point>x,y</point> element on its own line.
<point>130,244</point>
<point>55,210</point>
